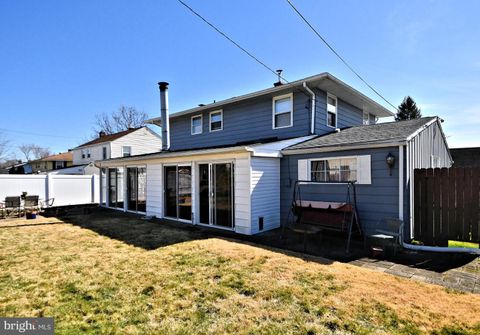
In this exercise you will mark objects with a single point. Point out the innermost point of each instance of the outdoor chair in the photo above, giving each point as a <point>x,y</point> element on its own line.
<point>31,203</point>
<point>389,232</point>
<point>11,206</point>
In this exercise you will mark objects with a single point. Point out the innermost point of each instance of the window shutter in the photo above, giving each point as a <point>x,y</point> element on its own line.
<point>303,169</point>
<point>364,169</point>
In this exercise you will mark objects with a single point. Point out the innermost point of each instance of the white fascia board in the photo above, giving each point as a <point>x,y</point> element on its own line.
<point>161,155</point>
<point>342,148</point>
<point>274,149</point>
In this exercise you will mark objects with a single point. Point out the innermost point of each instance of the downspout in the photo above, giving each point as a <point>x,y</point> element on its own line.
<point>401,183</point>
<point>312,123</point>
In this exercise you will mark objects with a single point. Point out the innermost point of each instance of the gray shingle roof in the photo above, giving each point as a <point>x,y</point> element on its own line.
<point>368,134</point>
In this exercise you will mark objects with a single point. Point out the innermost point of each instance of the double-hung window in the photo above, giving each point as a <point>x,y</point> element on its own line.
<point>83,153</point>
<point>216,120</point>
<point>197,124</point>
<point>334,170</point>
<point>126,151</point>
<point>283,111</point>
<point>104,152</point>
<point>331,110</point>
<point>366,118</point>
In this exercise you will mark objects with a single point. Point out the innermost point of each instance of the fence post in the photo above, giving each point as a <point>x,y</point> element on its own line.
<point>48,186</point>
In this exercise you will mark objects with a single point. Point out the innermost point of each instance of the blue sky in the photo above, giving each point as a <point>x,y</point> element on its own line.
<point>62,62</point>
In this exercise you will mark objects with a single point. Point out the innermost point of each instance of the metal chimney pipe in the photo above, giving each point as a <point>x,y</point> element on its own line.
<point>163,86</point>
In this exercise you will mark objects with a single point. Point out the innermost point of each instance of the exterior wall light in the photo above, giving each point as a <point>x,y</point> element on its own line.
<point>390,162</point>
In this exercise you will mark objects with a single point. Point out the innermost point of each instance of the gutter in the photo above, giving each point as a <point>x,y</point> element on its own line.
<point>312,124</point>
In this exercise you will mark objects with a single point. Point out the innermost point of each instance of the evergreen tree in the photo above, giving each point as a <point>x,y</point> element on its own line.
<point>408,110</point>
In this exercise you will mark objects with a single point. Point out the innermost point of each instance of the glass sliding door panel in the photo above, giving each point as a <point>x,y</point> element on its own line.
<point>142,189</point>
<point>103,182</point>
<point>185,192</point>
<point>204,193</point>
<point>132,189</point>
<point>170,184</point>
<point>222,195</point>
<point>119,203</point>
<point>112,187</point>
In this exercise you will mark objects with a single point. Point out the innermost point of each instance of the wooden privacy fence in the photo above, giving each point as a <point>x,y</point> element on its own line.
<point>446,205</point>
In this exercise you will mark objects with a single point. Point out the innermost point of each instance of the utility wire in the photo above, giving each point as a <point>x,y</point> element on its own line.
<point>337,54</point>
<point>36,134</point>
<point>231,40</point>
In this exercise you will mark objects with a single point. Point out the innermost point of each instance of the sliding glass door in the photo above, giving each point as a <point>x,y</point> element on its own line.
<point>178,192</point>
<point>115,187</point>
<point>216,194</point>
<point>136,189</point>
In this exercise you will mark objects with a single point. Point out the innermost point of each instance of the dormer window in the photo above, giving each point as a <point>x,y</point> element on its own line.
<point>216,120</point>
<point>331,110</point>
<point>282,111</point>
<point>197,124</point>
<point>126,151</point>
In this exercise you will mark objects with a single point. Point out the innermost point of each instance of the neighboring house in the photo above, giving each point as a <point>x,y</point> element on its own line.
<point>133,141</point>
<point>53,162</point>
<point>85,169</point>
<point>232,164</point>
<point>466,157</point>
<point>17,168</point>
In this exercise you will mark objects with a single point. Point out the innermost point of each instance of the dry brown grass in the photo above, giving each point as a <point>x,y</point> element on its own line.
<point>95,284</point>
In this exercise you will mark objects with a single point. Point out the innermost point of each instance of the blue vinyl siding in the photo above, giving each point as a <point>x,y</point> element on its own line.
<point>347,114</point>
<point>375,201</point>
<point>244,121</point>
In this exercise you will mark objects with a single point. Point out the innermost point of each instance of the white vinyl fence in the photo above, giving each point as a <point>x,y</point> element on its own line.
<point>65,189</point>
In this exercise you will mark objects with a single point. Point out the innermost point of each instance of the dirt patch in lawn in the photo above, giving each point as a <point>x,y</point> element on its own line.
<point>94,283</point>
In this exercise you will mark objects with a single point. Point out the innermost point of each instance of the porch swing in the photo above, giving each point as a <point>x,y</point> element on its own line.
<point>312,217</point>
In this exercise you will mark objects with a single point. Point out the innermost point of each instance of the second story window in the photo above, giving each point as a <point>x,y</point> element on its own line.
<point>104,152</point>
<point>216,120</point>
<point>283,111</point>
<point>331,110</point>
<point>197,124</point>
<point>83,153</point>
<point>126,151</point>
<point>366,118</point>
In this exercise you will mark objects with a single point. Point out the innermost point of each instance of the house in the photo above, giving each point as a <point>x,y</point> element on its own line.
<point>16,167</point>
<point>133,141</point>
<point>466,157</point>
<point>232,164</point>
<point>52,162</point>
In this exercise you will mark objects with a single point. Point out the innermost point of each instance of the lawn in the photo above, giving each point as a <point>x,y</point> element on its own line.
<point>109,276</point>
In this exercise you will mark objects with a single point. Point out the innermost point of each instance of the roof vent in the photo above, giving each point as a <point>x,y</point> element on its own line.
<point>279,82</point>
<point>337,130</point>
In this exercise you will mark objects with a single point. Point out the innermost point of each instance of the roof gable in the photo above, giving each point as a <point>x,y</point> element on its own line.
<point>109,137</point>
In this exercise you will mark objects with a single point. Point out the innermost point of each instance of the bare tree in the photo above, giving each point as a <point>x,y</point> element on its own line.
<point>3,148</point>
<point>33,151</point>
<point>122,119</point>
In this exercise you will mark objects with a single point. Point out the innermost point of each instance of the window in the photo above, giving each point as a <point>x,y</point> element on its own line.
<point>59,164</point>
<point>334,170</point>
<point>126,151</point>
<point>283,111</point>
<point>197,124</point>
<point>366,118</point>
<point>331,110</point>
<point>83,153</point>
<point>104,152</point>
<point>216,120</point>
<point>88,153</point>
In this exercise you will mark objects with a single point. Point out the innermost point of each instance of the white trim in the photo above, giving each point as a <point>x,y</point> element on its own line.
<point>400,182</point>
<point>279,97</point>
<point>312,124</point>
<point>422,128</point>
<point>201,124</point>
<point>329,95</point>
<point>340,148</point>
<point>210,119</point>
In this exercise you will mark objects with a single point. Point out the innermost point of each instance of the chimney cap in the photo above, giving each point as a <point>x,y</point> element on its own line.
<point>163,85</point>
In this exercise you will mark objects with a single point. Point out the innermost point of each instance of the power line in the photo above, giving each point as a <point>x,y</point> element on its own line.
<point>337,54</point>
<point>37,134</point>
